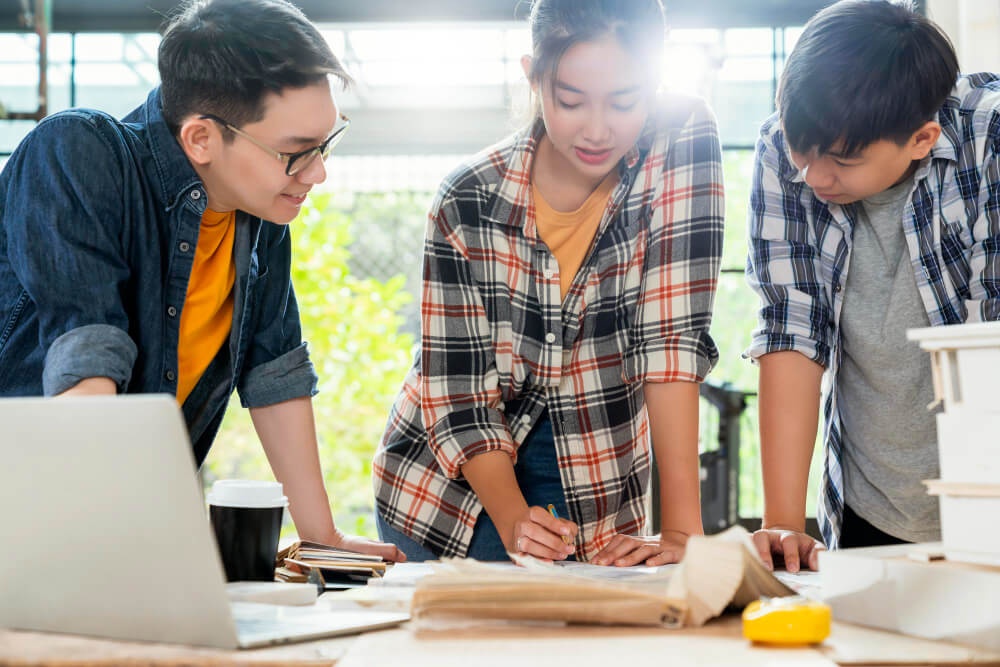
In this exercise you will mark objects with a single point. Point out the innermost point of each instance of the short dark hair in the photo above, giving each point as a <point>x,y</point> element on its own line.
<point>864,71</point>
<point>556,25</point>
<point>222,57</point>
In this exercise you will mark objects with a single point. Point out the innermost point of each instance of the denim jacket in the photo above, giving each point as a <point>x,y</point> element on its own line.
<point>99,222</point>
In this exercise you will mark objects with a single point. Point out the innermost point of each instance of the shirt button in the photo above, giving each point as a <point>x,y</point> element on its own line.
<point>196,195</point>
<point>525,419</point>
<point>836,288</point>
<point>548,273</point>
<point>550,338</point>
<point>184,246</point>
<point>171,376</point>
<point>171,311</point>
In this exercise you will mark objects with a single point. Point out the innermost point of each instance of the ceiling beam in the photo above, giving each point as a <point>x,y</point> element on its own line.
<point>147,15</point>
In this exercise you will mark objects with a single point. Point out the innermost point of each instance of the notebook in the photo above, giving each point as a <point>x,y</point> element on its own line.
<point>104,532</point>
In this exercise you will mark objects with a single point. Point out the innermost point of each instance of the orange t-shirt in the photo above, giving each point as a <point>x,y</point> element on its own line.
<point>207,316</point>
<point>569,235</point>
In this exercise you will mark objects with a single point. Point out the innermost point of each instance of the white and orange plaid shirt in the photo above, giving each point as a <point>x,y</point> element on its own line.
<point>499,345</point>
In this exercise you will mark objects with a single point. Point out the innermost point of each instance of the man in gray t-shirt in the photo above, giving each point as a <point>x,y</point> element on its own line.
<point>884,384</point>
<point>875,208</point>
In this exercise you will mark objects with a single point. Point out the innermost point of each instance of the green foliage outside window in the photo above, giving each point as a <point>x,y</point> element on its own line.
<point>352,325</point>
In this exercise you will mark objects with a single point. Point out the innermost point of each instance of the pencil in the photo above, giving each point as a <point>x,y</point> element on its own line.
<point>553,512</point>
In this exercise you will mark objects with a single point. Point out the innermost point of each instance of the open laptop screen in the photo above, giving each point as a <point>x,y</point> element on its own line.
<point>104,530</point>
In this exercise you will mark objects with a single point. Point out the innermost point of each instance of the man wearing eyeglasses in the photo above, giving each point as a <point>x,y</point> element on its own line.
<point>152,254</point>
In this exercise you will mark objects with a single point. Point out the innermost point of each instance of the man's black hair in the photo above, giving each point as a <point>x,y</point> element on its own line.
<point>222,57</point>
<point>864,71</point>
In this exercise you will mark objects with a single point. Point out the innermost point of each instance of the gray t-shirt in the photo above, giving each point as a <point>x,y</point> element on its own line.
<point>884,384</point>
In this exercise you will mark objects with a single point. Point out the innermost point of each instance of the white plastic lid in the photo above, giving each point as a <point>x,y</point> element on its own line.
<point>246,493</point>
<point>956,336</point>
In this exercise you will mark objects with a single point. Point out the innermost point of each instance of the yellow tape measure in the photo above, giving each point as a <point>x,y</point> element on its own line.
<point>791,620</point>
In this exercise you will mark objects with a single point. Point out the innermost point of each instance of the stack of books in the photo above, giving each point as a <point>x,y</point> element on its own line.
<point>326,566</point>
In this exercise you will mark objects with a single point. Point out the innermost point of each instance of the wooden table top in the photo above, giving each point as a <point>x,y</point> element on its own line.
<point>718,642</point>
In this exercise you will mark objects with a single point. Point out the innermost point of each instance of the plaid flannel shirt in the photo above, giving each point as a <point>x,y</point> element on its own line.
<point>800,250</point>
<point>499,346</point>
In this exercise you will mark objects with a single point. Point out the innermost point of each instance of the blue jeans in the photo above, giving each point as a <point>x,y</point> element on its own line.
<point>537,472</point>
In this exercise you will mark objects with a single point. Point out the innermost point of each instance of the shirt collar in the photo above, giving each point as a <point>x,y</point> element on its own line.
<point>174,174</point>
<point>518,155</point>
<point>948,144</point>
<point>513,158</point>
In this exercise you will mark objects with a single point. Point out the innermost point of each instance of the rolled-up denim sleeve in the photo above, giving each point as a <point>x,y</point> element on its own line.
<point>65,231</point>
<point>289,376</point>
<point>94,350</point>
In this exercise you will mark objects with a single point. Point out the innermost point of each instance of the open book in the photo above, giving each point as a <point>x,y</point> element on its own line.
<point>716,572</point>
<point>322,564</point>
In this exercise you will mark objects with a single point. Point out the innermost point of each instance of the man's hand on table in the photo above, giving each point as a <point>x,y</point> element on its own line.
<point>798,549</point>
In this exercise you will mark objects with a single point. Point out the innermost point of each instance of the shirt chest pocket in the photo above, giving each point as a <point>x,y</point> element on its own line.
<point>13,317</point>
<point>256,286</point>
<point>611,291</point>
<point>955,224</point>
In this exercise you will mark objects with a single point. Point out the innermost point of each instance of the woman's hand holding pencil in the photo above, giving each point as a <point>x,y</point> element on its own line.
<point>542,534</point>
<point>552,510</point>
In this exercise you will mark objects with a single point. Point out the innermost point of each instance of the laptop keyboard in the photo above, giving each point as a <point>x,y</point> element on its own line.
<point>258,623</point>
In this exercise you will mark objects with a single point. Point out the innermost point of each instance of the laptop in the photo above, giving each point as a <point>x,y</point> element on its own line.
<point>104,532</point>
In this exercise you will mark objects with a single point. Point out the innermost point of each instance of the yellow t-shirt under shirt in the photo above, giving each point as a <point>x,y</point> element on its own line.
<point>207,316</point>
<point>569,235</point>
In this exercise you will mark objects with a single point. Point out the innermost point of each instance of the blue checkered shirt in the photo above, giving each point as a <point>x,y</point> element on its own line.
<point>800,249</point>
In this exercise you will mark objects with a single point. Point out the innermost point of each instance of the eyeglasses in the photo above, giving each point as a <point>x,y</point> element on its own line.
<point>294,162</point>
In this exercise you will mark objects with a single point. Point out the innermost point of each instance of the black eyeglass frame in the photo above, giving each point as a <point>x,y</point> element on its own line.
<point>291,160</point>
